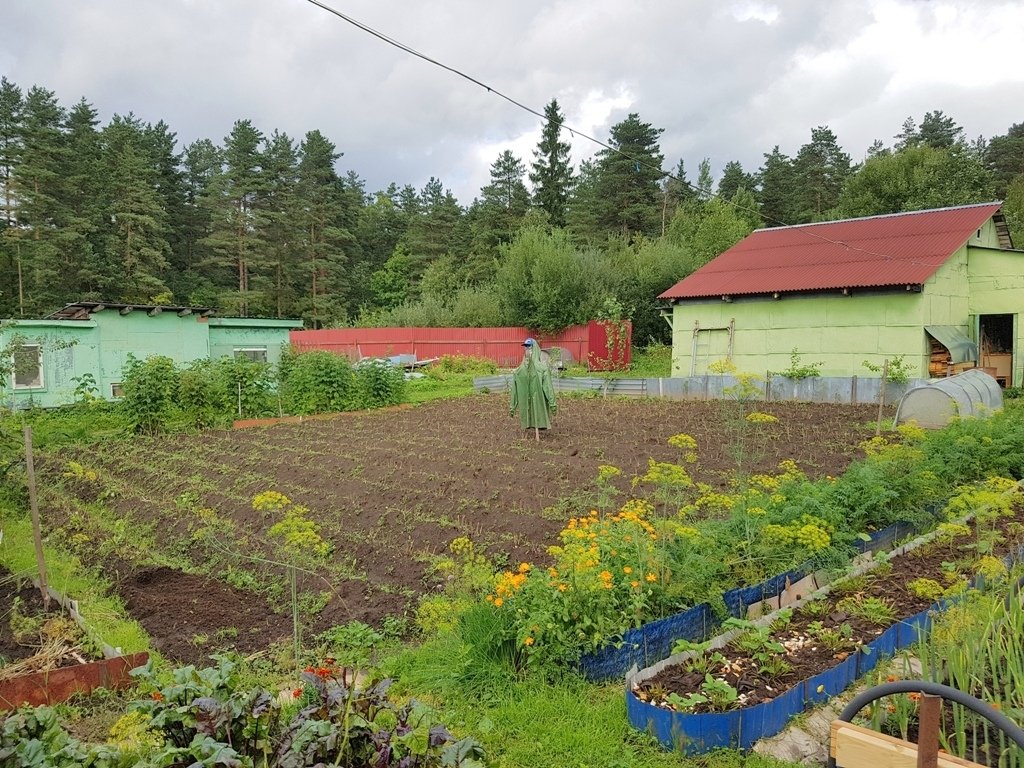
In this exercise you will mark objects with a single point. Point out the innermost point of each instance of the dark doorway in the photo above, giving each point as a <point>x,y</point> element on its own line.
<point>996,346</point>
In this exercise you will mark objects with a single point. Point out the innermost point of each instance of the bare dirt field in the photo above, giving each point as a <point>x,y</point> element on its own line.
<point>389,490</point>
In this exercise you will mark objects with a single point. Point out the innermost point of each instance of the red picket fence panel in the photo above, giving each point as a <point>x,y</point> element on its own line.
<point>599,345</point>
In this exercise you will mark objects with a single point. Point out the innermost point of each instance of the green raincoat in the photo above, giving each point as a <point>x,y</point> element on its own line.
<point>532,392</point>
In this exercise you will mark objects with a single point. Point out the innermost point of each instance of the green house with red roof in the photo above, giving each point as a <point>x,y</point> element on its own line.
<point>941,288</point>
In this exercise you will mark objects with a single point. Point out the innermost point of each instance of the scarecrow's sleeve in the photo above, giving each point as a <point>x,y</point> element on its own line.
<point>514,389</point>
<point>549,392</point>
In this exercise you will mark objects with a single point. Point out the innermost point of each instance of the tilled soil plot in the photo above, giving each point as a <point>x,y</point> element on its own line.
<point>391,489</point>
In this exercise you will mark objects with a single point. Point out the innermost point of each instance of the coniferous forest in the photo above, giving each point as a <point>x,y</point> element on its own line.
<point>260,223</point>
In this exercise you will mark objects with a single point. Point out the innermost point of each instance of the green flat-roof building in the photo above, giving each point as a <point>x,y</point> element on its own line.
<point>96,338</point>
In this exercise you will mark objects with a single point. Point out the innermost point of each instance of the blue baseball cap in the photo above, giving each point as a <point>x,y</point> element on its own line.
<point>529,343</point>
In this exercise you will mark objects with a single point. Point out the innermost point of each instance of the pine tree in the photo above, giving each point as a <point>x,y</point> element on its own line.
<point>551,172</point>
<point>628,175</point>
<point>435,229</point>
<point>232,197</point>
<point>821,168</point>
<point>201,161</point>
<point>734,178</point>
<point>1004,155</point>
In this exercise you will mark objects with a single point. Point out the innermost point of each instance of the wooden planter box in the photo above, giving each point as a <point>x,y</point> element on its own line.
<point>852,746</point>
<point>57,685</point>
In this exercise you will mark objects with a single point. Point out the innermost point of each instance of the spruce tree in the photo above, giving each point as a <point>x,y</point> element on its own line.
<point>325,237</point>
<point>821,168</point>
<point>551,172</point>
<point>137,247</point>
<point>11,285</point>
<point>776,181</point>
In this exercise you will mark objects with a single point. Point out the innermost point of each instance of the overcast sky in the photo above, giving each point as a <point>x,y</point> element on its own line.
<point>725,80</point>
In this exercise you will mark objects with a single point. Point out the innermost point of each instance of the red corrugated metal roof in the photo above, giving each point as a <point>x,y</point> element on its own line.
<point>895,249</point>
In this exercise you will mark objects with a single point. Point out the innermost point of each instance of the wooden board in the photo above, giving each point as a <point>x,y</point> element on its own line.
<point>855,747</point>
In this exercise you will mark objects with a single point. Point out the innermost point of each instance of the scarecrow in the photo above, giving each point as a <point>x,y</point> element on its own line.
<point>532,392</point>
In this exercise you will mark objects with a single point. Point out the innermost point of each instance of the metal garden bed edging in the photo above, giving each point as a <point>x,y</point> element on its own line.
<point>742,728</point>
<point>818,389</point>
<point>652,641</point>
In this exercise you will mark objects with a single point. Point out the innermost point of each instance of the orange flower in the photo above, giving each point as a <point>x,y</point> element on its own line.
<point>297,693</point>
<point>528,641</point>
<point>498,602</point>
<point>651,577</point>
<point>634,584</point>
<point>627,570</point>
<point>995,705</point>
<point>157,696</point>
<point>524,567</point>
<point>914,696</point>
<point>562,587</point>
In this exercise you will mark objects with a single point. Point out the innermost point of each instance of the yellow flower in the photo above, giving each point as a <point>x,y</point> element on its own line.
<point>634,584</point>
<point>562,587</point>
<point>528,641</point>
<point>498,602</point>
<point>651,577</point>
<point>605,575</point>
<point>524,567</point>
<point>627,569</point>
<point>490,598</point>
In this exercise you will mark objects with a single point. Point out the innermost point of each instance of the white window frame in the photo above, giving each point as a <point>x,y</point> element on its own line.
<point>116,390</point>
<point>242,351</point>
<point>39,367</point>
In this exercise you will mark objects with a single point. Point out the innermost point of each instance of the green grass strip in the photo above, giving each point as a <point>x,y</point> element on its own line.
<point>103,612</point>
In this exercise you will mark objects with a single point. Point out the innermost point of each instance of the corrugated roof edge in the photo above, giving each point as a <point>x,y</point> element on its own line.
<point>881,216</point>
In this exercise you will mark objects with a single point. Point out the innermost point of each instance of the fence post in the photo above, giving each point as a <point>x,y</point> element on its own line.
<point>881,395</point>
<point>33,501</point>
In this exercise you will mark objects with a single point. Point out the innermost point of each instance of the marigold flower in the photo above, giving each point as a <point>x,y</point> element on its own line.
<point>627,569</point>
<point>490,598</point>
<point>634,584</point>
<point>651,577</point>
<point>562,587</point>
<point>157,696</point>
<point>524,567</point>
<point>296,693</point>
<point>498,602</point>
<point>605,575</point>
<point>528,641</point>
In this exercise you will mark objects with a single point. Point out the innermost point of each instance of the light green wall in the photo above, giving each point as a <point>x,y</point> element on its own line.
<point>69,350</point>
<point>843,331</point>
<point>996,280</point>
<point>839,331</point>
<point>228,334</point>
<point>100,346</point>
<point>180,338</point>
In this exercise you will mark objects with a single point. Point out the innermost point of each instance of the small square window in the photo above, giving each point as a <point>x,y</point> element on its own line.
<point>256,354</point>
<point>27,363</point>
<point>116,390</point>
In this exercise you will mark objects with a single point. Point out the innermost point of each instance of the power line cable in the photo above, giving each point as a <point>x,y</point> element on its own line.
<point>637,161</point>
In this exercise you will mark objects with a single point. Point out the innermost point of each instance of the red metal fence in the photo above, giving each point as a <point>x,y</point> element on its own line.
<point>599,345</point>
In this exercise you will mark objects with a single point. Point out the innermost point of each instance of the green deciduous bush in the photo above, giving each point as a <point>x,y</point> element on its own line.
<point>150,388</point>
<point>317,382</point>
<point>378,384</point>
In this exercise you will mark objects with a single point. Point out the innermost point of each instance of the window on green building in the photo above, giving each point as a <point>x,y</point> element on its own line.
<point>27,362</point>
<point>256,354</point>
